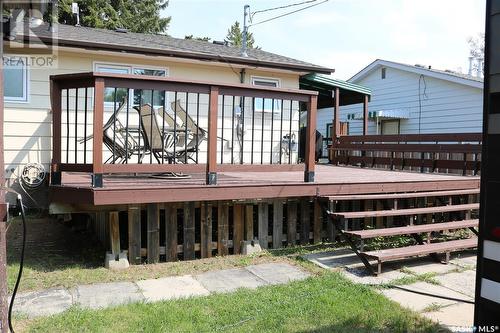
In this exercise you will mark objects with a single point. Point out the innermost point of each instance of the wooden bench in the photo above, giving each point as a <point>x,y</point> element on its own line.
<point>421,249</point>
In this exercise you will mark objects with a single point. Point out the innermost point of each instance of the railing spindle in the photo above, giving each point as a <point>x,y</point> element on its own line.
<point>242,148</point>
<point>272,130</point>
<point>232,133</point>
<point>253,127</point>
<point>175,128</point>
<point>262,133</point>
<point>67,125</point>
<point>281,130</point>
<point>290,138</point>
<point>222,131</point>
<point>126,125</point>
<point>186,130</point>
<point>76,126</point>
<point>85,128</point>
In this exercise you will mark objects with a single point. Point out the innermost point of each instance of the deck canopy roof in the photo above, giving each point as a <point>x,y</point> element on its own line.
<point>350,93</point>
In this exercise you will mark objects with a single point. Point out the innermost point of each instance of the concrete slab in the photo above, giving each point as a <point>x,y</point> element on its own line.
<point>464,258</point>
<point>276,273</point>
<point>421,265</point>
<point>361,275</point>
<point>461,314</point>
<point>411,297</point>
<point>102,295</point>
<point>171,288</point>
<point>335,259</point>
<point>462,282</point>
<point>229,280</point>
<point>43,303</point>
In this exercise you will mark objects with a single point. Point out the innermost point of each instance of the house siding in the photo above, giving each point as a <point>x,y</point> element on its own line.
<point>446,107</point>
<point>27,126</point>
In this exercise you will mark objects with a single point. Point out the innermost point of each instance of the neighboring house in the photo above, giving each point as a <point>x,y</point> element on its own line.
<point>80,49</point>
<point>410,99</point>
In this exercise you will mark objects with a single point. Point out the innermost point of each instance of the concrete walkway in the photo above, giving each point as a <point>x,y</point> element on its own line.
<point>430,297</point>
<point>102,295</point>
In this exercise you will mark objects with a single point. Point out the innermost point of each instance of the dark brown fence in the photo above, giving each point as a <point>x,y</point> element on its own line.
<point>123,124</point>
<point>447,153</point>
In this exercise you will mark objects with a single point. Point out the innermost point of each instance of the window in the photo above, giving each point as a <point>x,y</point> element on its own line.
<point>15,73</point>
<point>382,72</point>
<point>265,104</point>
<point>139,97</point>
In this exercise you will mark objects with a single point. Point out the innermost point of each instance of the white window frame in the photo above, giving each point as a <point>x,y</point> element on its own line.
<point>26,84</point>
<point>277,81</point>
<point>130,68</point>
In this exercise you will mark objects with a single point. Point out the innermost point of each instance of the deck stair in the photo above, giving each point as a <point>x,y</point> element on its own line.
<point>443,203</point>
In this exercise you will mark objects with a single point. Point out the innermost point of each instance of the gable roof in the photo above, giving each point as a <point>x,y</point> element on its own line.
<point>101,39</point>
<point>455,77</point>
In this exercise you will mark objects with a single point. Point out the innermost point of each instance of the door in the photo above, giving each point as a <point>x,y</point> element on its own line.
<point>389,127</point>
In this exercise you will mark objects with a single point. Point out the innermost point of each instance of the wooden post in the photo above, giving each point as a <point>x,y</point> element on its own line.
<point>292,222</point>
<point>238,231</point>
<point>171,232</point>
<point>336,122</point>
<point>212,136</point>
<point>55,100</point>
<point>189,236</point>
<point>277,224</point>
<point>153,237</point>
<point>223,229</point>
<point>310,158</point>
<point>318,222</point>
<point>206,229</point>
<point>368,206</point>
<point>97,166</point>
<point>331,228</point>
<point>305,221</point>
<point>263,224</point>
<point>365,115</point>
<point>249,222</point>
<point>134,235</point>
<point>379,221</point>
<point>114,233</point>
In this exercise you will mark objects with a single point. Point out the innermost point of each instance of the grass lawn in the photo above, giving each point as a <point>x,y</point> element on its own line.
<point>324,303</point>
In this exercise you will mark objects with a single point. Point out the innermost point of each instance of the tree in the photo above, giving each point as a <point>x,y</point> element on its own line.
<point>476,45</point>
<point>136,16</point>
<point>235,36</point>
<point>204,39</point>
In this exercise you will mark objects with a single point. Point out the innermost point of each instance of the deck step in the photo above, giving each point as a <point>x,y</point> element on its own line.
<point>412,229</point>
<point>403,212</point>
<point>415,250</point>
<point>406,195</point>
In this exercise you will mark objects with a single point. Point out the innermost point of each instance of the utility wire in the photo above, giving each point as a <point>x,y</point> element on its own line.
<point>289,13</point>
<point>281,7</point>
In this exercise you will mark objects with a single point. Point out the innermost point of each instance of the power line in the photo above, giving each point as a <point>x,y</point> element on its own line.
<point>289,13</point>
<point>281,7</point>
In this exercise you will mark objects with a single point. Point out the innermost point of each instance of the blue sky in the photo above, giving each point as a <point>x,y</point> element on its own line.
<point>346,34</point>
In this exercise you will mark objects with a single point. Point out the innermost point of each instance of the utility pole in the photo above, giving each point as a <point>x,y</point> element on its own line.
<point>4,327</point>
<point>246,14</point>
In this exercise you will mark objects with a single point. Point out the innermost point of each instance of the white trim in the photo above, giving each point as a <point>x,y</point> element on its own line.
<point>277,105</point>
<point>491,250</point>
<point>490,290</point>
<point>254,78</point>
<point>131,67</point>
<point>414,69</point>
<point>26,83</point>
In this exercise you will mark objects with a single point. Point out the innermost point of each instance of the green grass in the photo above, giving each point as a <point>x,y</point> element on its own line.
<point>326,303</point>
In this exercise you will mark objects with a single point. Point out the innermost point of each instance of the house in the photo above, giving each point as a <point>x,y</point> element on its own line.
<point>77,49</point>
<point>409,99</point>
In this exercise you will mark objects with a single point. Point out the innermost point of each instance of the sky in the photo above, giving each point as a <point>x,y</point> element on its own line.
<point>346,35</point>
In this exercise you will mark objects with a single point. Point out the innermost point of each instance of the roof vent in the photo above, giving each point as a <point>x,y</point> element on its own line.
<point>220,42</point>
<point>122,30</point>
<point>419,65</point>
<point>449,71</point>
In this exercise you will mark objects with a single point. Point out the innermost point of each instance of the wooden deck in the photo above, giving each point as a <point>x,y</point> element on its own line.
<point>330,180</point>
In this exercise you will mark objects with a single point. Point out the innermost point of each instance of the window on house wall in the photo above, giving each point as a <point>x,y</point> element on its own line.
<point>383,72</point>
<point>15,73</point>
<point>266,104</point>
<point>138,96</point>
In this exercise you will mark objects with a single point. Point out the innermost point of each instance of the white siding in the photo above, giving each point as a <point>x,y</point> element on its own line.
<point>447,107</point>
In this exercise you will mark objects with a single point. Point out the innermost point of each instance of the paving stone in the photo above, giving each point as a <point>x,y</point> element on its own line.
<point>421,265</point>
<point>361,275</point>
<point>43,303</point>
<point>229,280</point>
<point>418,302</point>
<point>276,273</point>
<point>102,295</point>
<point>171,288</point>
<point>462,282</point>
<point>335,259</point>
<point>464,259</point>
<point>461,315</point>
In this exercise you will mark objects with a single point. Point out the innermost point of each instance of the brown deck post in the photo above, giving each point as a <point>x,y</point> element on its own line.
<point>153,236</point>
<point>189,232</point>
<point>336,123</point>
<point>3,263</point>
<point>97,167</point>
<point>305,221</point>
<point>318,222</point>
<point>55,99</point>
<point>114,234</point>
<point>310,158</point>
<point>277,224</point>
<point>171,232</point>
<point>263,220</point>
<point>134,235</point>
<point>212,136</point>
<point>206,229</point>
<point>223,229</point>
<point>365,115</point>
<point>249,222</point>
<point>291,222</point>
<point>238,227</point>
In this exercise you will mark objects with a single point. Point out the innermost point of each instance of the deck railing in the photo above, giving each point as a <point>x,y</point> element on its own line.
<point>128,124</point>
<point>447,153</point>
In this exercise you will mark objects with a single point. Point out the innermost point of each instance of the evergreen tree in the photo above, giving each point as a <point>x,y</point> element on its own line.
<point>235,36</point>
<point>135,15</point>
<point>204,39</point>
